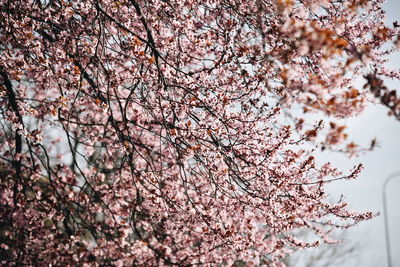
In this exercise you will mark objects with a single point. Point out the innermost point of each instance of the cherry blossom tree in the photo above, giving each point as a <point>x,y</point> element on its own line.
<point>176,132</point>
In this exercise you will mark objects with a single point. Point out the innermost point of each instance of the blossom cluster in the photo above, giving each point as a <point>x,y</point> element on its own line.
<point>154,133</point>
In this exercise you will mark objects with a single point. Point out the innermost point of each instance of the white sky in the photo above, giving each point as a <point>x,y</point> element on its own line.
<point>365,194</point>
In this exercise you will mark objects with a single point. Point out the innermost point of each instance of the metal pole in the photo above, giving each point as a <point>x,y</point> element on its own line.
<point>386,217</point>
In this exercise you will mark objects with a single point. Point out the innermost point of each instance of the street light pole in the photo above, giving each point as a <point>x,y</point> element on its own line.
<point>386,217</point>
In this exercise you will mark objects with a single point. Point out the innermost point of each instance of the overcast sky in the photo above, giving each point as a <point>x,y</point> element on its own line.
<point>365,194</point>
